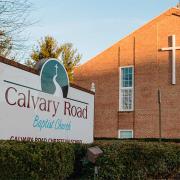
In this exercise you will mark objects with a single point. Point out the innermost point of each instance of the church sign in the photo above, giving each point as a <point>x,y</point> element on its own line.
<point>45,107</point>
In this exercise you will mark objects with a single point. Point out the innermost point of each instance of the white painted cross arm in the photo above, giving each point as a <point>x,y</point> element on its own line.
<point>173,49</point>
<point>170,48</point>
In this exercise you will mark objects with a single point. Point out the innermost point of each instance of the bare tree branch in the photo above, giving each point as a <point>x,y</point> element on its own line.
<point>14,19</point>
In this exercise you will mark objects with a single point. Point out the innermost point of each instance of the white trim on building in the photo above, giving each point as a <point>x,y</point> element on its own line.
<point>126,93</point>
<point>121,131</point>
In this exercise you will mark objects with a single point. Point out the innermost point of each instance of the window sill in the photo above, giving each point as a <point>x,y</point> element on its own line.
<point>126,111</point>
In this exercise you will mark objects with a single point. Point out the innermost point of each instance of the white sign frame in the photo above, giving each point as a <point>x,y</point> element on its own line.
<point>25,116</point>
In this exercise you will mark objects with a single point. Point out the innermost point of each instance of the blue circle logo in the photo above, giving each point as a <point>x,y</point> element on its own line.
<point>54,78</point>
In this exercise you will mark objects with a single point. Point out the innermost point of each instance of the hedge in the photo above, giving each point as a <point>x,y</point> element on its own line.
<point>136,160</point>
<point>120,160</point>
<point>28,160</point>
<point>140,139</point>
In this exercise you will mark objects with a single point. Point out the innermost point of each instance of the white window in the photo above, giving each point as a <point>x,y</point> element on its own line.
<point>125,134</point>
<point>126,88</point>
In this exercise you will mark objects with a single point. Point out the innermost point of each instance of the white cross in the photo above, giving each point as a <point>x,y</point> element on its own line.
<point>56,66</point>
<point>173,49</point>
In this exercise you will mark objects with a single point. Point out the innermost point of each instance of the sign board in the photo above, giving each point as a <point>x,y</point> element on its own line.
<point>45,107</point>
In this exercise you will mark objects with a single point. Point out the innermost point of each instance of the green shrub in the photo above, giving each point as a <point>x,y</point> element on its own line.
<point>28,160</point>
<point>140,139</point>
<point>120,160</point>
<point>138,160</point>
<point>80,153</point>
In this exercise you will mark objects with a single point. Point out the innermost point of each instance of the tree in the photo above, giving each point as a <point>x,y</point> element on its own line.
<point>13,21</point>
<point>70,58</point>
<point>49,48</point>
<point>5,45</point>
<point>46,48</point>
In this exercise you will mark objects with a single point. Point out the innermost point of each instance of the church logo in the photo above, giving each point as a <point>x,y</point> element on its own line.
<point>54,78</point>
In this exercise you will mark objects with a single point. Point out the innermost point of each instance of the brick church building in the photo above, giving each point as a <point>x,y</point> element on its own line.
<point>137,82</point>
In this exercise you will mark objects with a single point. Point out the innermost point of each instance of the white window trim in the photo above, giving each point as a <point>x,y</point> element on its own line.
<point>123,130</point>
<point>120,88</point>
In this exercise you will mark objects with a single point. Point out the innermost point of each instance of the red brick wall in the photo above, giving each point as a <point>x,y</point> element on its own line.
<point>103,70</point>
<point>152,71</point>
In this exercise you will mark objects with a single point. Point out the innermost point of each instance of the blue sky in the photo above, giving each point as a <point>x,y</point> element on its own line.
<point>91,25</point>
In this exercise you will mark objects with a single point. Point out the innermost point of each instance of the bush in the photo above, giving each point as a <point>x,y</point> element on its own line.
<point>28,160</point>
<point>140,139</point>
<point>138,160</point>
<point>120,160</point>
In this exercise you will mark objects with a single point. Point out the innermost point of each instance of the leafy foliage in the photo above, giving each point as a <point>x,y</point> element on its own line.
<point>5,44</point>
<point>139,139</point>
<point>49,48</point>
<point>138,160</point>
<point>28,160</point>
<point>120,160</point>
<point>70,58</point>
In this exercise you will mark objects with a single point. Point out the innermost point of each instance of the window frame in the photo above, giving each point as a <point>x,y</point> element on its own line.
<point>124,130</point>
<point>125,88</point>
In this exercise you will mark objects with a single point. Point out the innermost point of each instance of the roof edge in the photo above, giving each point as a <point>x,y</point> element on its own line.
<point>171,11</point>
